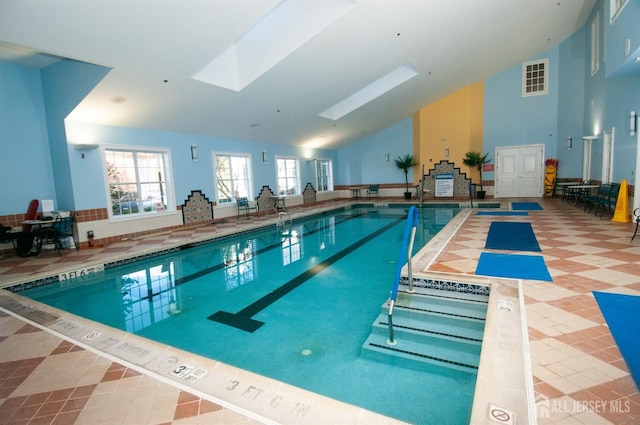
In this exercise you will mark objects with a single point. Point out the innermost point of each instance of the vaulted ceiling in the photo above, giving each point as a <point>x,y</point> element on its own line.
<point>266,69</point>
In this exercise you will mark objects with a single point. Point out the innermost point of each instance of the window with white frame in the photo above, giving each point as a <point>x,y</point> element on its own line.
<point>535,78</point>
<point>139,182</point>
<point>324,175</point>
<point>607,155</point>
<point>615,7</point>
<point>288,177</point>
<point>595,44</point>
<point>233,177</point>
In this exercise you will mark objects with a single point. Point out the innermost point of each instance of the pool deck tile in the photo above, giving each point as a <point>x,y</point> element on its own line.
<point>578,373</point>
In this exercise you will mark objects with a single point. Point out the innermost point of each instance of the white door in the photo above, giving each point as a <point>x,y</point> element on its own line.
<point>519,171</point>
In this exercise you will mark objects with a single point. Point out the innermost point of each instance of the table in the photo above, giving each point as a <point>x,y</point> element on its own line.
<point>563,186</point>
<point>578,191</point>
<point>278,203</point>
<point>37,238</point>
<point>355,191</point>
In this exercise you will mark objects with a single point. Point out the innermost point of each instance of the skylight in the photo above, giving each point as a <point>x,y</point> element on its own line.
<point>370,92</point>
<point>287,28</point>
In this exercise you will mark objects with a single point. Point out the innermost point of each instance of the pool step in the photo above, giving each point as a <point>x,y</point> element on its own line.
<point>429,330</point>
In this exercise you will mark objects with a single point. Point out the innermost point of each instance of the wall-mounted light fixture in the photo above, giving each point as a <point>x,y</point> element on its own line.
<point>633,120</point>
<point>569,143</point>
<point>194,153</point>
<point>264,157</point>
<point>446,152</point>
<point>386,157</point>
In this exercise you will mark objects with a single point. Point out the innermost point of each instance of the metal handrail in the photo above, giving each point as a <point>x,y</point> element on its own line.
<point>407,247</point>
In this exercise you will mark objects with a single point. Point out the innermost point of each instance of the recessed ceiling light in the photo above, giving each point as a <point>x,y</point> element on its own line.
<point>118,99</point>
<point>370,92</point>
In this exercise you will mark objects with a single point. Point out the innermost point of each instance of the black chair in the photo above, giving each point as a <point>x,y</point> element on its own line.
<point>61,230</point>
<point>373,190</point>
<point>636,214</point>
<point>245,206</point>
<point>6,235</point>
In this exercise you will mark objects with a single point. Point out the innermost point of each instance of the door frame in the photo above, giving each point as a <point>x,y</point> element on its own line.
<point>541,146</point>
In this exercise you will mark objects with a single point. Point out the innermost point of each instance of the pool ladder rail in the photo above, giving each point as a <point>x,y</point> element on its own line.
<point>435,327</point>
<point>406,248</point>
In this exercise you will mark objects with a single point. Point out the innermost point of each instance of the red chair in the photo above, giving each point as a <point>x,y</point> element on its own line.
<point>24,240</point>
<point>32,213</point>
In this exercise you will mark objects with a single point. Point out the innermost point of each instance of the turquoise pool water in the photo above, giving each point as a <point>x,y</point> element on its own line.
<point>294,304</point>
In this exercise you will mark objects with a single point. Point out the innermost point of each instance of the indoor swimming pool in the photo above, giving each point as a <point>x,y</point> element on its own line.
<point>294,303</point>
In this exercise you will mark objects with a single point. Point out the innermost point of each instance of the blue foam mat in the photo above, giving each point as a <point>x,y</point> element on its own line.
<point>513,266</point>
<point>512,236</point>
<point>529,206</point>
<point>621,313</point>
<point>502,213</point>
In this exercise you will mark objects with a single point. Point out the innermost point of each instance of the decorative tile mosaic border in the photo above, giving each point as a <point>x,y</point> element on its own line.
<point>445,285</point>
<point>309,194</point>
<point>197,208</point>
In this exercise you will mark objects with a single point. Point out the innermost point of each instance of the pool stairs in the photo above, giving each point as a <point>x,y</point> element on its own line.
<point>431,327</point>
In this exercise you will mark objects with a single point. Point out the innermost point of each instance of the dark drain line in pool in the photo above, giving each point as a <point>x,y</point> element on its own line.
<point>204,272</point>
<point>243,319</point>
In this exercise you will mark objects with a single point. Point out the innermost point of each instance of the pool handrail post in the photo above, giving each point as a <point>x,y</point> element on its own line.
<point>407,246</point>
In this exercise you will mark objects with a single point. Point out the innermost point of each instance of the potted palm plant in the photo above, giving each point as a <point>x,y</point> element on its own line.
<point>405,163</point>
<point>477,160</point>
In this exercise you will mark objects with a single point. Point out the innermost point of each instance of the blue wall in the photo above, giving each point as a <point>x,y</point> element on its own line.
<point>513,120</point>
<point>365,162</point>
<point>25,163</point>
<point>188,175</point>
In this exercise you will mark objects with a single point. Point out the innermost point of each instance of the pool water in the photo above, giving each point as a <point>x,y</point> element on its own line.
<point>292,303</point>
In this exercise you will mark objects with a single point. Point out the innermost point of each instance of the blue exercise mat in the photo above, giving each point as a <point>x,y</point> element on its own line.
<point>529,206</point>
<point>513,266</point>
<point>502,213</point>
<point>621,313</point>
<point>512,236</point>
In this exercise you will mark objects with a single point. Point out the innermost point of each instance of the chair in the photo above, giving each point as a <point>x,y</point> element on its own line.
<point>373,190</point>
<point>61,229</point>
<point>636,214</point>
<point>245,206</point>
<point>6,235</point>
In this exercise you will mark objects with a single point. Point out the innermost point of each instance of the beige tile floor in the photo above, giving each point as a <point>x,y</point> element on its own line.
<point>579,375</point>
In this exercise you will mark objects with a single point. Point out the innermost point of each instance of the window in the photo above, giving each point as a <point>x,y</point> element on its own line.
<point>233,177</point>
<point>324,175</point>
<point>607,155</point>
<point>139,182</point>
<point>595,44</point>
<point>535,78</point>
<point>287,175</point>
<point>615,7</point>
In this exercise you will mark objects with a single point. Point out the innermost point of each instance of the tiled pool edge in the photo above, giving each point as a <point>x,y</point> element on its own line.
<point>255,396</point>
<point>504,387</point>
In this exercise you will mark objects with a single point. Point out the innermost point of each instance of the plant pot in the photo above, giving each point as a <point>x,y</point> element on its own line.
<point>480,194</point>
<point>407,195</point>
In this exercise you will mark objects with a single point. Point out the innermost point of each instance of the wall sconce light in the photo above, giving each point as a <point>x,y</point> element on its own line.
<point>446,152</point>
<point>569,143</point>
<point>264,157</point>
<point>633,119</point>
<point>386,157</point>
<point>194,153</point>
